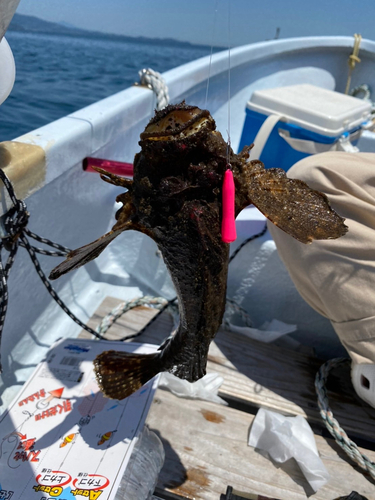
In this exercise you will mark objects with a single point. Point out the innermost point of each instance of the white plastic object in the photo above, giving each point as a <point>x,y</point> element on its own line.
<point>319,110</point>
<point>7,70</point>
<point>284,438</point>
<point>142,472</point>
<point>363,379</point>
<point>205,388</point>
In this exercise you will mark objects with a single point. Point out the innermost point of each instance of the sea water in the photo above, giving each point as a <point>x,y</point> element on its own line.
<point>59,74</point>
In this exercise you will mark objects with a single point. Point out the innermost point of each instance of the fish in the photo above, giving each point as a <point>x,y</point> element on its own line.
<point>68,439</point>
<point>175,198</point>
<point>105,437</point>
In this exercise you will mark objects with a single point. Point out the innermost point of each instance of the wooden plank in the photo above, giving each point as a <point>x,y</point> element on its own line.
<point>264,375</point>
<point>206,450</point>
<point>284,380</point>
<point>258,374</point>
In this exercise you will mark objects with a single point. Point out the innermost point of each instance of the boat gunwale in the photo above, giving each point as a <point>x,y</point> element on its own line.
<point>90,129</point>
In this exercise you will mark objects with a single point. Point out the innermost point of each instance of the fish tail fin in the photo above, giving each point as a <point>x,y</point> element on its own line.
<point>119,374</point>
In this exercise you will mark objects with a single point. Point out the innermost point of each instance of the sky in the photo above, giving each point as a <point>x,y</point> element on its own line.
<point>211,22</point>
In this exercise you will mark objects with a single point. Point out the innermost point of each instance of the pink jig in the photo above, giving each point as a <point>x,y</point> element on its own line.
<point>228,225</point>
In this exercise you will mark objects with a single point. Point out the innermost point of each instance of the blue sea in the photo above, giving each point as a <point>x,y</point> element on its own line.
<point>57,75</point>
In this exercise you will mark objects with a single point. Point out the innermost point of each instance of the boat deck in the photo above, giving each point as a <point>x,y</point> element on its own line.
<point>206,443</point>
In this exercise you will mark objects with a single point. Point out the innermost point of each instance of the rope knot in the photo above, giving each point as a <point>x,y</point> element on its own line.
<point>353,59</point>
<point>15,222</point>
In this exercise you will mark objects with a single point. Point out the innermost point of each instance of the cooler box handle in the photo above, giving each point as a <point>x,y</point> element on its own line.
<point>263,134</point>
<point>313,148</point>
<point>301,145</point>
<point>305,146</point>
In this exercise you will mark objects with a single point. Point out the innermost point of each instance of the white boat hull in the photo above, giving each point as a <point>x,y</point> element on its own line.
<point>73,207</point>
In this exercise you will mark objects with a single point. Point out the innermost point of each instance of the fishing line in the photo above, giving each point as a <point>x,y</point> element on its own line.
<point>229,90</point>
<point>212,48</point>
<point>228,220</point>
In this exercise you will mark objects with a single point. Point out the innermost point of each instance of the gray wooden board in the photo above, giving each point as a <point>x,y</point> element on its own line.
<point>283,380</point>
<point>206,444</point>
<point>206,450</point>
<point>257,374</point>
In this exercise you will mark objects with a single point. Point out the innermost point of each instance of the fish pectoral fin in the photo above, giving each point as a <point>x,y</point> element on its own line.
<point>114,179</point>
<point>293,206</point>
<point>120,374</point>
<point>85,254</point>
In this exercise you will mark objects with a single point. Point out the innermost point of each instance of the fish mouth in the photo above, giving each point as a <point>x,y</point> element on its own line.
<point>178,124</point>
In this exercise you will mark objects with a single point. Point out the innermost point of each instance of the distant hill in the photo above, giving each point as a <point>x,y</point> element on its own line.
<point>31,24</point>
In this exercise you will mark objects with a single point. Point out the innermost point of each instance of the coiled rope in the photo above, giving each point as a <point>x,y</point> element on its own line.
<point>155,82</point>
<point>159,303</point>
<point>340,436</point>
<point>162,305</point>
<point>362,92</point>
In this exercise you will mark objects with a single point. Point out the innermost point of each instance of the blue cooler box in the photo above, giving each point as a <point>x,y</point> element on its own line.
<point>307,113</point>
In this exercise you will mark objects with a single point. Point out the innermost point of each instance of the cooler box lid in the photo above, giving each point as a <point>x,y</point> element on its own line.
<point>319,110</point>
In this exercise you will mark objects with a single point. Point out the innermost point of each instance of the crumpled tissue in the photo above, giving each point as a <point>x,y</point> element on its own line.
<point>289,437</point>
<point>268,332</point>
<point>205,388</point>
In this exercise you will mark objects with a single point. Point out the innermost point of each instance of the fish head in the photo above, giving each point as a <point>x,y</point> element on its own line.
<point>178,142</point>
<point>181,153</point>
<point>177,122</point>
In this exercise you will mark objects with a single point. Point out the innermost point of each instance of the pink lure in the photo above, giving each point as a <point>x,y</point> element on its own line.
<point>228,225</point>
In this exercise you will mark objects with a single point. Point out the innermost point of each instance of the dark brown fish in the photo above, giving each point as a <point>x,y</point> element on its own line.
<point>176,199</point>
